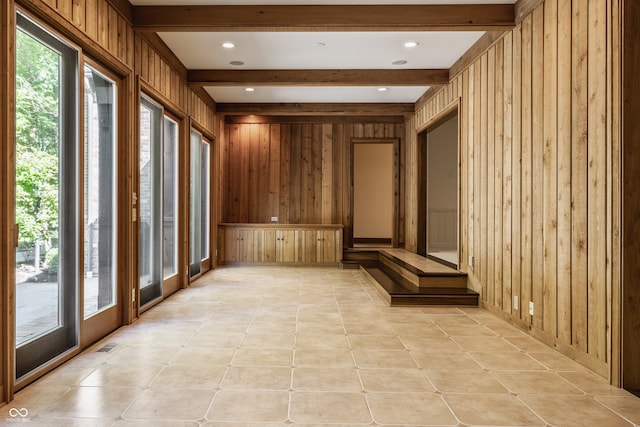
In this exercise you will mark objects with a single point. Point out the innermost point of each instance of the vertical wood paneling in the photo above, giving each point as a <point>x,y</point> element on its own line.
<point>78,14</point>
<point>327,174</point>
<point>91,17</point>
<point>483,251</point>
<point>298,172</point>
<point>526,165</point>
<point>564,172</point>
<point>540,162</point>
<point>470,161</point>
<point>597,169</point>
<point>315,208</point>
<point>337,171</point>
<point>285,173</point>
<point>274,172</point>
<point>244,142</point>
<point>516,175</point>
<point>264,214</point>
<point>498,177</point>
<point>579,103</point>
<point>550,169</point>
<point>490,150</point>
<point>296,183</point>
<point>506,173</point>
<point>477,157</point>
<point>537,150</point>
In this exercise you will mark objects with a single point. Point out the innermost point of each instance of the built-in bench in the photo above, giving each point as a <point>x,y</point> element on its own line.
<point>404,278</point>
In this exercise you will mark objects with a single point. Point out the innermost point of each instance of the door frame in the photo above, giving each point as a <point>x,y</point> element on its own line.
<point>181,279</point>
<point>395,229</point>
<point>97,326</point>
<point>8,233</point>
<point>625,366</point>
<point>208,263</point>
<point>447,113</point>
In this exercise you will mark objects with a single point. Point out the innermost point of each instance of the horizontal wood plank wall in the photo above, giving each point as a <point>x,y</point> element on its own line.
<point>538,132</point>
<point>297,172</point>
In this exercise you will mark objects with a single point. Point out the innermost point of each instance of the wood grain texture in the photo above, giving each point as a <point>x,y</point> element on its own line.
<point>324,17</point>
<point>542,168</point>
<point>631,196</point>
<point>348,77</point>
<point>8,232</point>
<point>307,183</point>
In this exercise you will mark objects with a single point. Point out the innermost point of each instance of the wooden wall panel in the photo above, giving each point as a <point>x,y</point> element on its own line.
<point>157,71</point>
<point>540,174</point>
<point>297,172</point>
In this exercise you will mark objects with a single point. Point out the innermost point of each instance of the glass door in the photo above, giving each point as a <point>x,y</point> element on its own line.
<point>170,229</point>
<point>100,297</point>
<point>46,197</point>
<point>195,204</point>
<point>150,203</point>
<point>205,200</point>
<point>199,204</point>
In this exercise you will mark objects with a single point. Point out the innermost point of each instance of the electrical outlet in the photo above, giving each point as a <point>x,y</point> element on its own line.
<point>274,219</point>
<point>530,308</point>
<point>516,302</point>
<point>470,261</point>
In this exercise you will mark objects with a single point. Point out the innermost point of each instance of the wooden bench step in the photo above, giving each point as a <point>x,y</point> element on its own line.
<point>397,294</point>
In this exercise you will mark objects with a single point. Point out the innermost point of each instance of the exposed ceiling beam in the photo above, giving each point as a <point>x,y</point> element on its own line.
<point>460,17</point>
<point>314,109</point>
<point>317,77</point>
<point>314,119</point>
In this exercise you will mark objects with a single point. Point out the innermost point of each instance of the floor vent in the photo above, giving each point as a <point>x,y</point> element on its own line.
<point>107,348</point>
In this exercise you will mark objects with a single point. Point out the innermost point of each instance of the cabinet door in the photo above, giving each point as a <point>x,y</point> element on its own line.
<point>327,246</point>
<point>231,245</point>
<point>309,246</point>
<point>271,245</point>
<point>248,245</point>
<point>286,242</point>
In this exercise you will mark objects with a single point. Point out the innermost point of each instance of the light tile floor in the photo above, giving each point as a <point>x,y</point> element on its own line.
<point>304,347</point>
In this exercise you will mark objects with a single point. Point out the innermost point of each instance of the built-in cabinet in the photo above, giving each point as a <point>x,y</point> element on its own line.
<point>280,243</point>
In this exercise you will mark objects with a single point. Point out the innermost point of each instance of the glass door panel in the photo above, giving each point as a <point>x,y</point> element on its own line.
<point>150,201</point>
<point>205,201</point>
<point>442,192</point>
<point>46,197</point>
<point>99,193</point>
<point>170,208</point>
<point>195,204</point>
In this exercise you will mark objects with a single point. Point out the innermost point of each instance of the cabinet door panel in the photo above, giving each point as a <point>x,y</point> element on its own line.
<point>231,245</point>
<point>328,246</point>
<point>271,243</point>
<point>246,246</point>
<point>287,246</point>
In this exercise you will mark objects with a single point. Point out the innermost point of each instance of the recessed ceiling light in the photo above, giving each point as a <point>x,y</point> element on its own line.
<point>228,45</point>
<point>249,89</point>
<point>399,62</point>
<point>382,89</point>
<point>411,44</point>
<point>237,63</point>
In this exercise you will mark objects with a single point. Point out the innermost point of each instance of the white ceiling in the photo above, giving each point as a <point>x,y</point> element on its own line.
<point>317,50</point>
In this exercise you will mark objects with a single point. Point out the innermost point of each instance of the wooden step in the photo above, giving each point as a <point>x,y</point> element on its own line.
<point>364,257</point>
<point>438,276</point>
<point>398,295</point>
